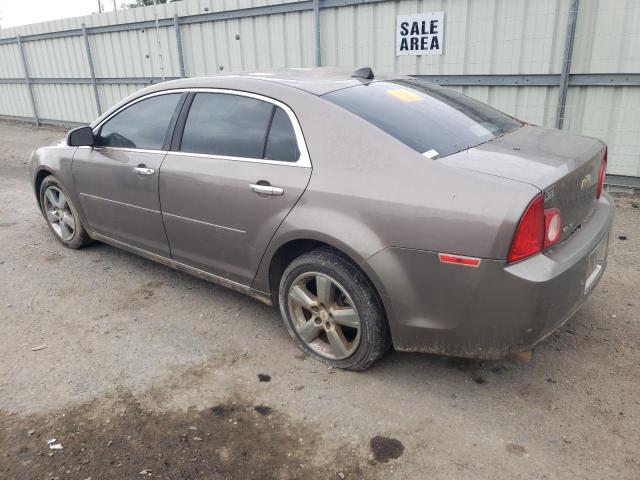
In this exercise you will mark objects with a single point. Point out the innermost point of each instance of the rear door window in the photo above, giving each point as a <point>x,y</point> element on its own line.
<point>227,125</point>
<point>281,142</point>
<point>142,125</point>
<point>433,120</point>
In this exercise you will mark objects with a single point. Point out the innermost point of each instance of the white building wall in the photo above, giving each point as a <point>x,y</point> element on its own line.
<point>482,37</point>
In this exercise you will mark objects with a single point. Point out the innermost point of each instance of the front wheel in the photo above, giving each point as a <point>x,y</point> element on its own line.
<point>332,312</point>
<point>61,215</point>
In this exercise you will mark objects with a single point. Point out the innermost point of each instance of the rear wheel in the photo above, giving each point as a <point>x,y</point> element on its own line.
<point>332,311</point>
<point>61,215</point>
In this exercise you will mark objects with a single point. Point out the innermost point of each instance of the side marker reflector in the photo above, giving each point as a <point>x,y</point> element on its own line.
<point>459,260</point>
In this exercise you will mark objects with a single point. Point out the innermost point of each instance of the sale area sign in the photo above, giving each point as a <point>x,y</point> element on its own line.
<point>420,34</point>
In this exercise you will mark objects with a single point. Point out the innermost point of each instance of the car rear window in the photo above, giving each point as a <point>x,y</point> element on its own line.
<point>432,120</point>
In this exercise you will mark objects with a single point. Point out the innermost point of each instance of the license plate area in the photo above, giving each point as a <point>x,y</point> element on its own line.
<point>597,259</point>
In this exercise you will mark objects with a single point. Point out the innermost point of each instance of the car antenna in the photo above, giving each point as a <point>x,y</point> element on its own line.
<point>364,72</point>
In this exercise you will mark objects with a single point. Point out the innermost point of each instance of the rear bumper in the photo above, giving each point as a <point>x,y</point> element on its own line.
<point>493,310</point>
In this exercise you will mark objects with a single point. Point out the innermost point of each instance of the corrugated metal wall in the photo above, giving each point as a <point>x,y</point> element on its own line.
<point>481,36</point>
<point>494,38</point>
<point>608,41</point>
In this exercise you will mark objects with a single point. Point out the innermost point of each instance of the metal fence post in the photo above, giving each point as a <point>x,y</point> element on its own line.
<point>28,80</point>
<point>316,31</point>
<point>566,62</point>
<point>176,25</point>
<point>94,83</point>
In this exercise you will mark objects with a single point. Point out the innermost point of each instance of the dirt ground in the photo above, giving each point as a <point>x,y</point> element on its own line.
<point>141,371</point>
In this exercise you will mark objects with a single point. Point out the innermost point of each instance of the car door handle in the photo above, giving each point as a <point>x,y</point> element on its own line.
<point>143,170</point>
<point>265,189</point>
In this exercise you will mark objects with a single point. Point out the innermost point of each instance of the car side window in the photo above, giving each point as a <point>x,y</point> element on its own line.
<point>226,125</point>
<point>142,125</point>
<point>281,142</point>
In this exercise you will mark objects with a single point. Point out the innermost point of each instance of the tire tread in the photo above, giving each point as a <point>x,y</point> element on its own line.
<point>378,338</point>
<point>81,238</point>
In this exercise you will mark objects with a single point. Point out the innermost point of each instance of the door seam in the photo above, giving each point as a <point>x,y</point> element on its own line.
<point>255,274</point>
<point>164,226</point>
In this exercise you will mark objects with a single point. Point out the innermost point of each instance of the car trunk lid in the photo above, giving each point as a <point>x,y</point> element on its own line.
<point>564,166</point>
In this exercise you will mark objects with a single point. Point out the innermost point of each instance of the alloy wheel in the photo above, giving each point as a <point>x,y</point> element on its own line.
<point>324,315</point>
<point>59,213</point>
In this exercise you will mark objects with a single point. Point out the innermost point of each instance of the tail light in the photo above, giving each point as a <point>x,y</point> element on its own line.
<point>538,228</point>
<point>529,235</point>
<point>601,174</point>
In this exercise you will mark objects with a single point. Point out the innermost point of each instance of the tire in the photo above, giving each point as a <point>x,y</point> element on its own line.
<point>322,297</point>
<point>61,215</point>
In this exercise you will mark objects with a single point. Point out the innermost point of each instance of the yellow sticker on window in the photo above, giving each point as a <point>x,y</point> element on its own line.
<point>405,95</point>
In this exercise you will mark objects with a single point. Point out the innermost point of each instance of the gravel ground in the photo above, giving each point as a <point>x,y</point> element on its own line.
<point>138,370</point>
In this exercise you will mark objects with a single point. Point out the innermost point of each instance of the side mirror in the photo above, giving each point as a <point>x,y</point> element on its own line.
<point>80,137</point>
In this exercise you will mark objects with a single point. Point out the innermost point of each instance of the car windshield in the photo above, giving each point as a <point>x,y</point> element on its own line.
<point>432,120</point>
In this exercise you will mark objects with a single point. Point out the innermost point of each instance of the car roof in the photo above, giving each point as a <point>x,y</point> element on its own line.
<point>317,81</point>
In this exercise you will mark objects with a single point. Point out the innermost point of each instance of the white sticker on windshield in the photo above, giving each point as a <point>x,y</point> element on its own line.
<point>431,153</point>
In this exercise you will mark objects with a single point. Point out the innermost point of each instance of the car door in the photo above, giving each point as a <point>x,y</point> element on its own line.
<point>239,166</point>
<point>117,179</point>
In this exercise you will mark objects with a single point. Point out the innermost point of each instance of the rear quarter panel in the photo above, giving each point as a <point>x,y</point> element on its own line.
<point>369,191</point>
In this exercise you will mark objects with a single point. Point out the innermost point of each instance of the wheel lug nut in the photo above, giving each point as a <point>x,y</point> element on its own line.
<point>317,321</point>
